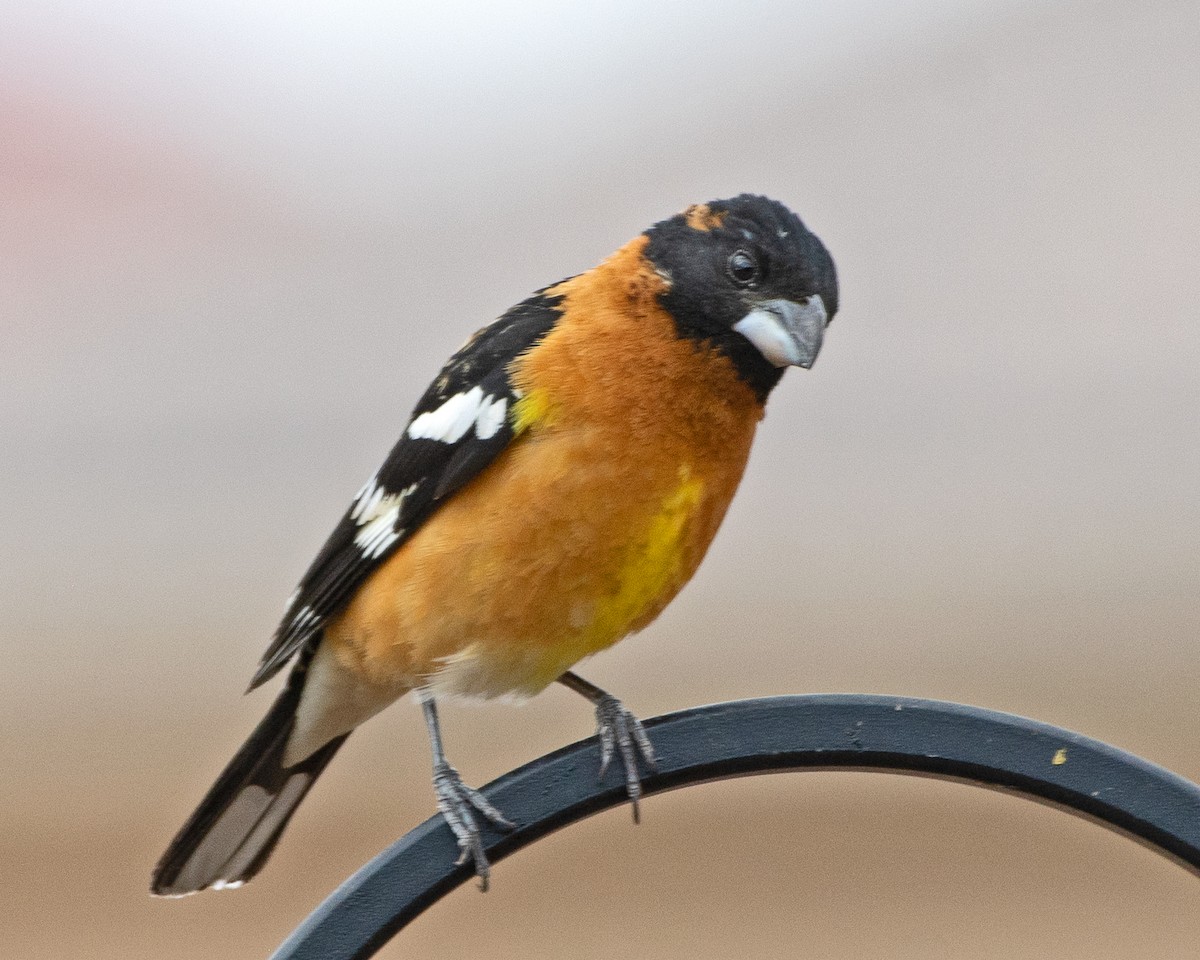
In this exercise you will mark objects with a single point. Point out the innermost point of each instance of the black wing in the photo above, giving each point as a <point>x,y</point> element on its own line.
<point>459,426</point>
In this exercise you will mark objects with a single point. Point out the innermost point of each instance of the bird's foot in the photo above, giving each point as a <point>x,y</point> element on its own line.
<point>621,732</point>
<point>459,804</point>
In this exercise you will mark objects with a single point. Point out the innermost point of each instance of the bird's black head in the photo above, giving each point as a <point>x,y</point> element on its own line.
<point>746,276</point>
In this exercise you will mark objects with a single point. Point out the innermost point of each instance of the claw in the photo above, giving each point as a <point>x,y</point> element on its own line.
<point>619,730</point>
<point>604,731</point>
<point>457,801</point>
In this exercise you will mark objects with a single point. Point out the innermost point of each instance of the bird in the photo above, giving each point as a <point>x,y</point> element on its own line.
<point>552,491</point>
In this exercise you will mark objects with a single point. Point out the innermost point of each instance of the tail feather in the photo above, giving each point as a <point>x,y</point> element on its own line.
<point>235,828</point>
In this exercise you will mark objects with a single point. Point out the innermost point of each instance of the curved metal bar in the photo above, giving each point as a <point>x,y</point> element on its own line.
<point>724,740</point>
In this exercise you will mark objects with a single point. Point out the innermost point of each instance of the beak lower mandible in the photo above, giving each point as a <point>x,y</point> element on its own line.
<point>787,333</point>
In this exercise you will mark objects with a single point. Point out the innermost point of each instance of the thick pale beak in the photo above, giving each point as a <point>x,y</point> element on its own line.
<point>787,333</point>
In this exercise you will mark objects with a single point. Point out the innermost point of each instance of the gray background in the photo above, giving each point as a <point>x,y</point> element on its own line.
<point>237,242</point>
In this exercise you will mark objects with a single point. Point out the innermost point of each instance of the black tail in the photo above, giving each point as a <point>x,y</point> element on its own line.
<point>235,828</point>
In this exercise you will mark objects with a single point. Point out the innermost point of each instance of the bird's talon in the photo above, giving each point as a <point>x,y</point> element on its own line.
<point>458,804</point>
<point>606,749</point>
<point>619,731</point>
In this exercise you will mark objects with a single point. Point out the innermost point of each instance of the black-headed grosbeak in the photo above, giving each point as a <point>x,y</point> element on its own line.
<point>555,487</point>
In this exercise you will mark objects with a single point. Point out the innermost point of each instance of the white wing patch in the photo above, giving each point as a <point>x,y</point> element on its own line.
<point>450,422</point>
<point>366,503</point>
<point>491,418</point>
<point>377,514</point>
<point>379,534</point>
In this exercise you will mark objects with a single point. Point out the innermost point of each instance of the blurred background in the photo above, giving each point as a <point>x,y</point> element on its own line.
<point>236,242</point>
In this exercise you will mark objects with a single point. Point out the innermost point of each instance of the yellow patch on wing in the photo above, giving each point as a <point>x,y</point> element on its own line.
<point>534,408</point>
<point>700,216</point>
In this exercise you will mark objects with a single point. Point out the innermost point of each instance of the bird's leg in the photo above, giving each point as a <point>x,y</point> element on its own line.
<point>617,728</point>
<point>458,802</point>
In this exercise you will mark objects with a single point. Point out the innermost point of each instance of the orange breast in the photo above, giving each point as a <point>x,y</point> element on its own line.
<point>632,442</point>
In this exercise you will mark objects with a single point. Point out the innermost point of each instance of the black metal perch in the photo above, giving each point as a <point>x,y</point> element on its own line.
<point>896,734</point>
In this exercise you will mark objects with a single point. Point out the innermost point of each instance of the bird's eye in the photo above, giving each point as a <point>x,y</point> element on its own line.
<point>743,268</point>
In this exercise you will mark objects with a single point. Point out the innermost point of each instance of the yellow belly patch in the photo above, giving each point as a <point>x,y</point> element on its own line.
<point>652,572</point>
<point>654,569</point>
